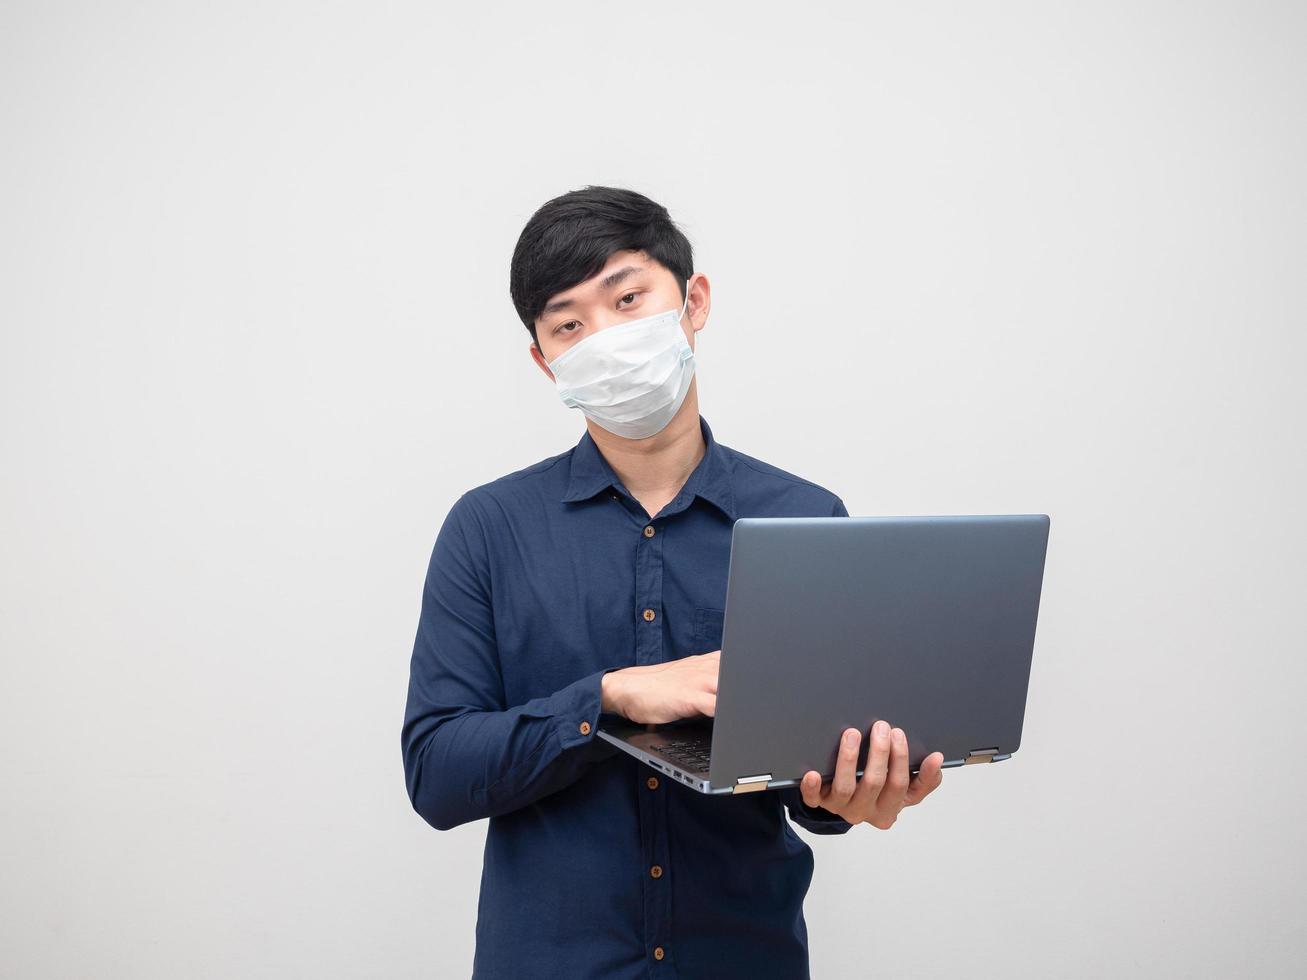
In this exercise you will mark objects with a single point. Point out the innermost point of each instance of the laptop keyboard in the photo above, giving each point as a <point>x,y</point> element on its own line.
<point>688,753</point>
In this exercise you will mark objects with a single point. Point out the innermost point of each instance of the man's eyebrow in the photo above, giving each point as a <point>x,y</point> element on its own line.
<point>608,283</point>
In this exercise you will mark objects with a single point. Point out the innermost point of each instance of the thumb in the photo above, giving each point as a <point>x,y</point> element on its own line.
<point>810,787</point>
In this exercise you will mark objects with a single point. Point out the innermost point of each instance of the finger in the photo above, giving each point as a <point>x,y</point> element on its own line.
<point>706,704</point>
<point>810,788</point>
<point>878,758</point>
<point>873,774</point>
<point>846,768</point>
<point>896,782</point>
<point>927,780</point>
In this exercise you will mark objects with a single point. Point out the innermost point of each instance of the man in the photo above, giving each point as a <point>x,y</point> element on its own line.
<point>594,581</point>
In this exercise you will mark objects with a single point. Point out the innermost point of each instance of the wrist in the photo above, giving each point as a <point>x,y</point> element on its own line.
<point>610,692</point>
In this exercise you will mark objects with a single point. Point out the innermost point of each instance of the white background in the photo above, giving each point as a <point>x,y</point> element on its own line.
<point>966,258</point>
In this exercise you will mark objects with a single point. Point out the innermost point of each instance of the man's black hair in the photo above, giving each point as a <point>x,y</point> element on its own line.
<point>571,237</point>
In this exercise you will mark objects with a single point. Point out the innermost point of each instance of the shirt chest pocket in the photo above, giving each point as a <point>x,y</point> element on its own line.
<point>707,629</point>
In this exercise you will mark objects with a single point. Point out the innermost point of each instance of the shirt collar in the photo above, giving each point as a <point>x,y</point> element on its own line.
<point>711,478</point>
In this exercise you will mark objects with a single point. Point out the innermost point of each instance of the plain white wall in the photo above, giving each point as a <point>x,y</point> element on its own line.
<point>966,258</point>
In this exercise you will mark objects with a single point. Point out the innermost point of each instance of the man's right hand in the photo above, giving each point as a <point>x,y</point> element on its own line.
<point>654,694</point>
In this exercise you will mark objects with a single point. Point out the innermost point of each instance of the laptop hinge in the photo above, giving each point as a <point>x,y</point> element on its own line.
<point>747,784</point>
<point>981,755</point>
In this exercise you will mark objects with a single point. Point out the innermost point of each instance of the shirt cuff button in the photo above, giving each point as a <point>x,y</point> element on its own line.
<point>585,728</point>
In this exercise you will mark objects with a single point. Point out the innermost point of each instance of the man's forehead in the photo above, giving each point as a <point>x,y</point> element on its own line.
<point>620,265</point>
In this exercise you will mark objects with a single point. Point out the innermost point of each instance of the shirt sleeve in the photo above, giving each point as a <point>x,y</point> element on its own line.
<point>818,820</point>
<point>467,754</point>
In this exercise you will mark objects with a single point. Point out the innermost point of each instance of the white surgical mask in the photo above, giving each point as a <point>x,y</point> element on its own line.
<point>630,378</point>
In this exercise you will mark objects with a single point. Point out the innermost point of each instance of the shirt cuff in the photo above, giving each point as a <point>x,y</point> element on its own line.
<point>816,819</point>
<point>578,711</point>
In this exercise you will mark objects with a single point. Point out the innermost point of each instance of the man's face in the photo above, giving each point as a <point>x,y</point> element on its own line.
<point>630,286</point>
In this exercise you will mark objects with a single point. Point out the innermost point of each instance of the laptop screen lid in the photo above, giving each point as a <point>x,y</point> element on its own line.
<point>835,622</point>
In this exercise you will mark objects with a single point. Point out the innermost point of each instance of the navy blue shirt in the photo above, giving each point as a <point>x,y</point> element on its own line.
<point>594,865</point>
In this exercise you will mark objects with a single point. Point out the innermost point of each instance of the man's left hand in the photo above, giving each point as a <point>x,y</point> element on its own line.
<point>884,789</point>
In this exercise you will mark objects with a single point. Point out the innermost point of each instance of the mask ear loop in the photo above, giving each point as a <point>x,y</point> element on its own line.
<point>686,304</point>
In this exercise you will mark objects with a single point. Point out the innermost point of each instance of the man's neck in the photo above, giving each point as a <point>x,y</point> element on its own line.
<point>655,469</point>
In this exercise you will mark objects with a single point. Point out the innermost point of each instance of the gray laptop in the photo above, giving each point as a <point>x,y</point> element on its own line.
<point>835,622</point>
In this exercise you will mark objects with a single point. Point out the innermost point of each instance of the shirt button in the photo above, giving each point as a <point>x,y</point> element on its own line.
<point>652,782</point>
<point>585,728</point>
<point>648,615</point>
<point>656,871</point>
<point>658,953</point>
<point>649,531</point>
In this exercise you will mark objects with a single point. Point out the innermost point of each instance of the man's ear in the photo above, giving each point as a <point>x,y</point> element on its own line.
<point>539,358</point>
<point>700,295</point>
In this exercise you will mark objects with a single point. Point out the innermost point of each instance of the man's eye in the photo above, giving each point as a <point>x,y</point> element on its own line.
<point>562,326</point>
<point>628,295</point>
